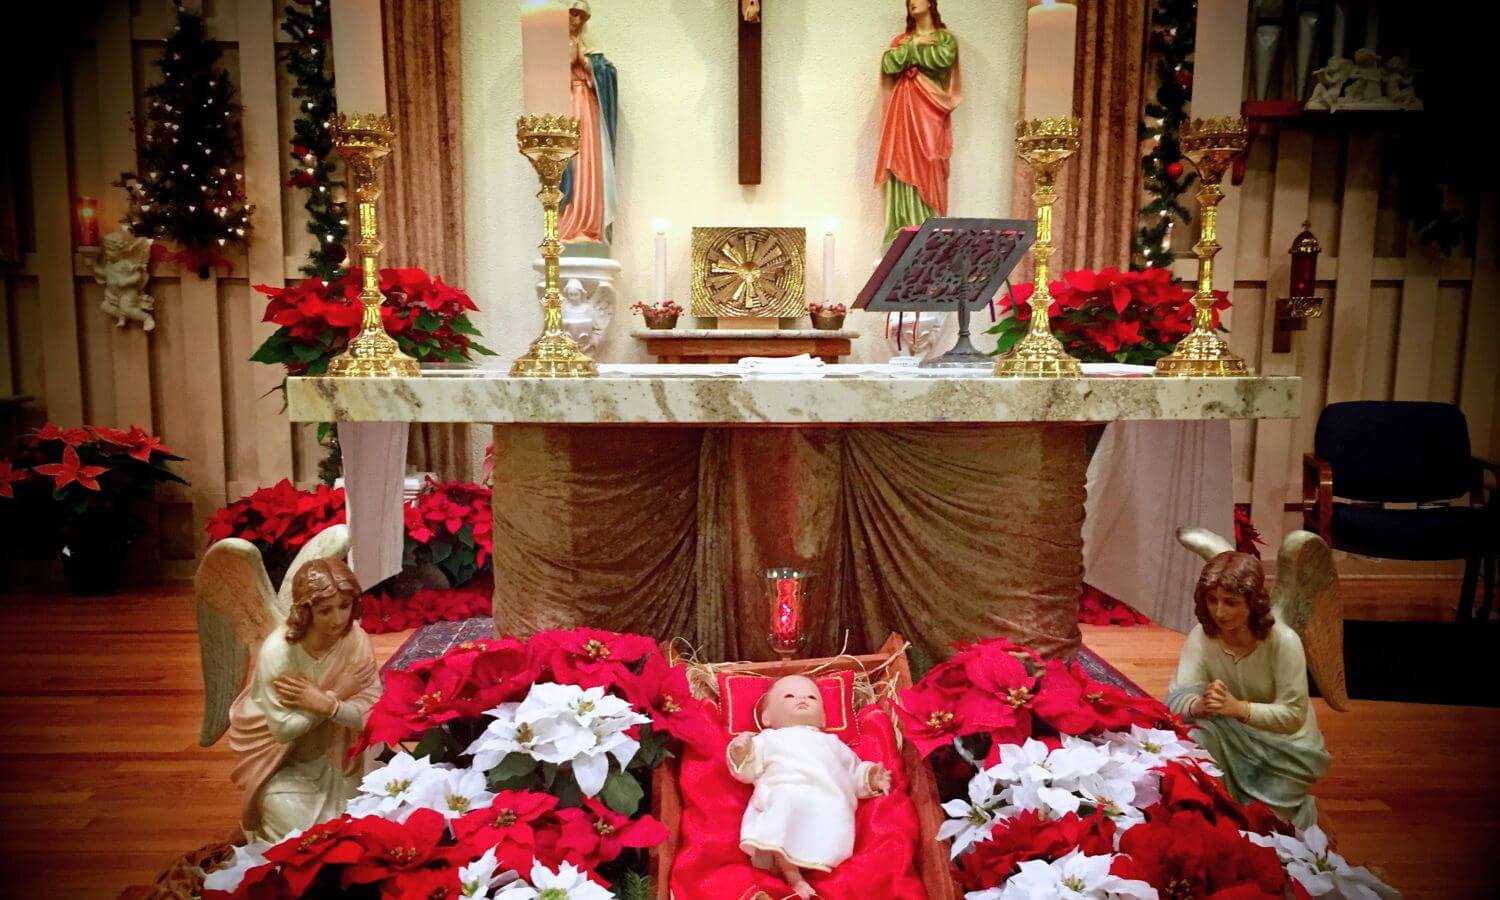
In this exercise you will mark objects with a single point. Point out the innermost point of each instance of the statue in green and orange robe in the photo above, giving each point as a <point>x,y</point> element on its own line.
<point>921,80</point>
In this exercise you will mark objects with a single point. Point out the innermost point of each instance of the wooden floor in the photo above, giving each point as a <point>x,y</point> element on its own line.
<point>102,782</point>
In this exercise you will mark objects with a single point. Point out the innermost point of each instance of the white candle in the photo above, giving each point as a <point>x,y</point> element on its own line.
<point>829,291</point>
<point>1219,57</point>
<point>1051,36</point>
<point>358,56</point>
<point>659,285</point>
<point>546,58</point>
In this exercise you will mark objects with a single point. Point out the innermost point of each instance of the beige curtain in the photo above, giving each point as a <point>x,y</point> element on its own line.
<point>423,223</point>
<point>940,533</point>
<point>1099,192</point>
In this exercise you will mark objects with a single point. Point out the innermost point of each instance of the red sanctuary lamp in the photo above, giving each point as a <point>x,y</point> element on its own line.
<point>1293,312</point>
<point>88,222</point>
<point>787,596</point>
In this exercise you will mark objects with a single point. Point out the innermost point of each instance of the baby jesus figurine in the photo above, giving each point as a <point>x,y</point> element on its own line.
<point>807,785</point>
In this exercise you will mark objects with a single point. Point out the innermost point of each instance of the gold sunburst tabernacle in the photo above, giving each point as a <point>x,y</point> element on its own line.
<point>750,272</point>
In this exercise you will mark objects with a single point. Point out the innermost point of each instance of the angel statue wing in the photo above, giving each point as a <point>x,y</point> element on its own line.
<point>1306,597</point>
<point>330,543</point>
<point>237,608</point>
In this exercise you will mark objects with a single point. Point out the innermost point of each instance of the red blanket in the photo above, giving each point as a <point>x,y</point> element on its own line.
<point>710,865</point>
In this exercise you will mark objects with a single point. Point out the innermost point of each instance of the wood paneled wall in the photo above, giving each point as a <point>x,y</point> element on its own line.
<point>190,380</point>
<point>1401,322</point>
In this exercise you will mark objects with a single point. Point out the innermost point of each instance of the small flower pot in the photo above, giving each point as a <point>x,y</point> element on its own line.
<point>828,322</point>
<point>661,323</point>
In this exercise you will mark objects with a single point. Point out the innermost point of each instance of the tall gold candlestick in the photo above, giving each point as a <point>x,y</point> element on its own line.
<point>364,141</point>
<point>1211,145</point>
<point>549,142</point>
<point>1045,144</point>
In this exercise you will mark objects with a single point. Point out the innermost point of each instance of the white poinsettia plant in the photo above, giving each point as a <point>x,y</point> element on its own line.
<point>1072,877</point>
<point>1118,772</point>
<point>1321,871</point>
<point>578,730</point>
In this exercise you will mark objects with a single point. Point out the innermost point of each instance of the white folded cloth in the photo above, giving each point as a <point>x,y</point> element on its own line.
<point>803,366</point>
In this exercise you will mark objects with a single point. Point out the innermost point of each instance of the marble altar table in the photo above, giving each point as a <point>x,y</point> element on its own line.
<point>939,504</point>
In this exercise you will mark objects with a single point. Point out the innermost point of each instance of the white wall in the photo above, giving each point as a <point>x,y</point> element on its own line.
<point>678,140</point>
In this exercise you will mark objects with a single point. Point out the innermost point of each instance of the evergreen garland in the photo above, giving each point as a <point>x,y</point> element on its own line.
<point>313,155</point>
<point>186,189</point>
<point>1166,173</point>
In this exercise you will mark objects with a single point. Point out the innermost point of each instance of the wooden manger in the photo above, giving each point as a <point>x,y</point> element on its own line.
<point>890,666</point>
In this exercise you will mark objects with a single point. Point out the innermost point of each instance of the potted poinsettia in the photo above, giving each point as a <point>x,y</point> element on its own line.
<point>827,316</point>
<point>278,520</point>
<point>660,316</point>
<point>1108,315</point>
<point>82,492</point>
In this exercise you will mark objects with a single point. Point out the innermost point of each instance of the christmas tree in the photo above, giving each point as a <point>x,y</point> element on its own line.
<point>1163,168</point>
<point>307,24</point>
<point>186,189</point>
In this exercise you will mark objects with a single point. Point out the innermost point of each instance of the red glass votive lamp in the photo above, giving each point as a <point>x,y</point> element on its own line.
<point>1305,252</point>
<point>787,596</point>
<point>88,222</point>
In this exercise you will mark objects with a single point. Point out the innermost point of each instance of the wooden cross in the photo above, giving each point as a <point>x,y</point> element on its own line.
<point>749,13</point>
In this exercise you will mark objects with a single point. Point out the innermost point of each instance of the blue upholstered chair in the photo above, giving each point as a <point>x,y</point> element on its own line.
<point>1370,454</point>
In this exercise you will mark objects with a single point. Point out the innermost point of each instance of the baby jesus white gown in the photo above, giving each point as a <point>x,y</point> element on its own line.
<point>807,786</point>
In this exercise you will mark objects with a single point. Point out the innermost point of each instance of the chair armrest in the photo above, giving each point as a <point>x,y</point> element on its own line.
<point>1317,497</point>
<point>1482,465</point>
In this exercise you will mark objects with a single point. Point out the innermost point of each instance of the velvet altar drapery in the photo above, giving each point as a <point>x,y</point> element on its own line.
<point>422,209</point>
<point>939,533</point>
<point>1099,191</point>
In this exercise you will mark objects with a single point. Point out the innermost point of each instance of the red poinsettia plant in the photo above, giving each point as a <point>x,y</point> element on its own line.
<point>1108,315</point>
<point>467,794</point>
<point>278,520</point>
<point>448,525</point>
<point>79,488</point>
<point>317,319</point>
<point>1056,784</point>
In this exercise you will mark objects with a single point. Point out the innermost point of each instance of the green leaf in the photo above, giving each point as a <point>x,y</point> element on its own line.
<point>305,353</point>
<point>436,745</point>
<point>622,793</point>
<point>636,886</point>
<point>515,771</point>
<point>1007,341</point>
<point>567,792</point>
<point>439,551</point>
<point>481,349</point>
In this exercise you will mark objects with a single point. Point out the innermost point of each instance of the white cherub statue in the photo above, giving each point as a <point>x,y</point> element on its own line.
<point>807,785</point>
<point>1241,682</point>
<point>292,724</point>
<point>1330,84</point>
<point>1367,84</point>
<point>124,272</point>
<point>1399,87</point>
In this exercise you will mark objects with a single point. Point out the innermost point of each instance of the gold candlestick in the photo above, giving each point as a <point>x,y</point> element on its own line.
<point>1045,144</point>
<point>549,142</point>
<point>1211,145</point>
<point>364,141</point>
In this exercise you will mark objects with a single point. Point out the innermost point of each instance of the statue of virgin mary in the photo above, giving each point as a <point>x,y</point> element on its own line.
<point>590,197</point>
<point>921,88</point>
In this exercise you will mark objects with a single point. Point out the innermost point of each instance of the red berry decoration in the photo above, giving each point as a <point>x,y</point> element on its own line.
<point>1184,77</point>
<point>1174,169</point>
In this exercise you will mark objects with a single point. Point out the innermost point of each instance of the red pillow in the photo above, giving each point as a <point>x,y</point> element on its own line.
<point>739,692</point>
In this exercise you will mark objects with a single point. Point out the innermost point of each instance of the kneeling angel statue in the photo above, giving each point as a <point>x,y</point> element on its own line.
<point>293,722</point>
<point>1241,680</point>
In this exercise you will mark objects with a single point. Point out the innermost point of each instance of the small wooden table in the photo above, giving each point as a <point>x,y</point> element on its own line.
<point>711,345</point>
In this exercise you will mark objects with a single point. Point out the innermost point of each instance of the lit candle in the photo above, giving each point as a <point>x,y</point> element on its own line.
<point>1219,60</point>
<point>828,288</point>
<point>1051,36</point>
<point>546,58</point>
<point>786,618</point>
<point>88,222</point>
<point>358,56</point>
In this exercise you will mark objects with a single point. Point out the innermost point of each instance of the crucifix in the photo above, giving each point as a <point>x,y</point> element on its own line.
<point>749,14</point>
